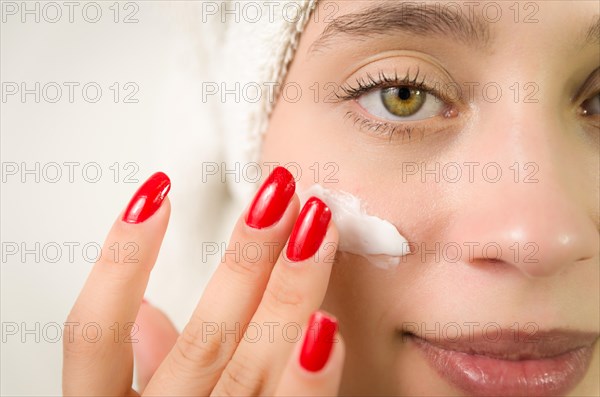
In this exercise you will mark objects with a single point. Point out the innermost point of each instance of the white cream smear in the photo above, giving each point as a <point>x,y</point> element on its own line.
<point>360,233</point>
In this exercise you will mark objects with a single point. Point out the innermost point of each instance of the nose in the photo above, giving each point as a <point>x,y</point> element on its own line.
<point>540,213</point>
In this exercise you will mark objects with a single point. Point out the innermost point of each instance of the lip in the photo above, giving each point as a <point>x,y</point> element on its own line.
<point>510,363</point>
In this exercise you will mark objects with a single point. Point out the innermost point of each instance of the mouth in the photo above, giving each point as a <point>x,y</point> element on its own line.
<point>509,363</point>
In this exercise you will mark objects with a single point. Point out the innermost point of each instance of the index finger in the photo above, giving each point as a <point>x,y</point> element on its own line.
<point>98,357</point>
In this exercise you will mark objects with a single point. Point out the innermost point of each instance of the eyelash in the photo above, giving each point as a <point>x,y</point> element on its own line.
<point>382,81</point>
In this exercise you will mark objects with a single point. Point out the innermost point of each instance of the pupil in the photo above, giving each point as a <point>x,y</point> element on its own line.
<point>404,93</point>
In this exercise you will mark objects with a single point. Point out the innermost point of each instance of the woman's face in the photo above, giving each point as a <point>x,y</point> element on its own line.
<point>474,129</point>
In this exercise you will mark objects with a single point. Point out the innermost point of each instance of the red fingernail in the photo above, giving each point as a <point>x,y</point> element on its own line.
<point>272,199</point>
<point>147,200</point>
<point>309,230</point>
<point>318,342</point>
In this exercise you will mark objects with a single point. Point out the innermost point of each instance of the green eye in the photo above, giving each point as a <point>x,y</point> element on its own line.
<point>403,101</point>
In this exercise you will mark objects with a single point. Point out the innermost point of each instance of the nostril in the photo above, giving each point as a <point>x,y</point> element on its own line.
<point>490,264</point>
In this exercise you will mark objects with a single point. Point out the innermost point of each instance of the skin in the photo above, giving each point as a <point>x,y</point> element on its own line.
<point>558,214</point>
<point>559,291</point>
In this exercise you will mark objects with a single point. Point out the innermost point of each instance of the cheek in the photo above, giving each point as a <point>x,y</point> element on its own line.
<point>301,133</point>
<point>331,151</point>
<point>321,147</point>
<point>366,301</point>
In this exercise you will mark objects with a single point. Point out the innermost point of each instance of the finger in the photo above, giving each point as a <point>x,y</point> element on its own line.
<point>97,343</point>
<point>213,333</point>
<point>155,338</point>
<point>296,288</point>
<point>315,367</point>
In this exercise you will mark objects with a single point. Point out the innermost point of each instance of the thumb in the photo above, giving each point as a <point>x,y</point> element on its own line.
<point>155,338</point>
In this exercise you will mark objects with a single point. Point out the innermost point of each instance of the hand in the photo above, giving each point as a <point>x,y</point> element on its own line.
<point>239,338</point>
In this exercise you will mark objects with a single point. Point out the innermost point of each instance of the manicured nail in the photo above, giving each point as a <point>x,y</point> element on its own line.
<point>147,200</point>
<point>318,342</point>
<point>272,199</point>
<point>309,230</point>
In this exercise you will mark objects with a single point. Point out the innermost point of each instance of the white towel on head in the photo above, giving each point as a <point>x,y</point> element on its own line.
<point>250,56</point>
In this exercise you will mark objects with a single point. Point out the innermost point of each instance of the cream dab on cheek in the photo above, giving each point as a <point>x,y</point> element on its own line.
<point>360,233</point>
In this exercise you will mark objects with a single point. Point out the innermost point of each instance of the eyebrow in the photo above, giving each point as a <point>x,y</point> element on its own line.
<point>593,33</point>
<point>423,19</point>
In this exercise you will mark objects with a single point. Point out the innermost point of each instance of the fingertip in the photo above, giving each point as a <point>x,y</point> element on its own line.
<point>147,199</point>
<point>282,226</point>
<point>297,379</point>
<point>271,200</point>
